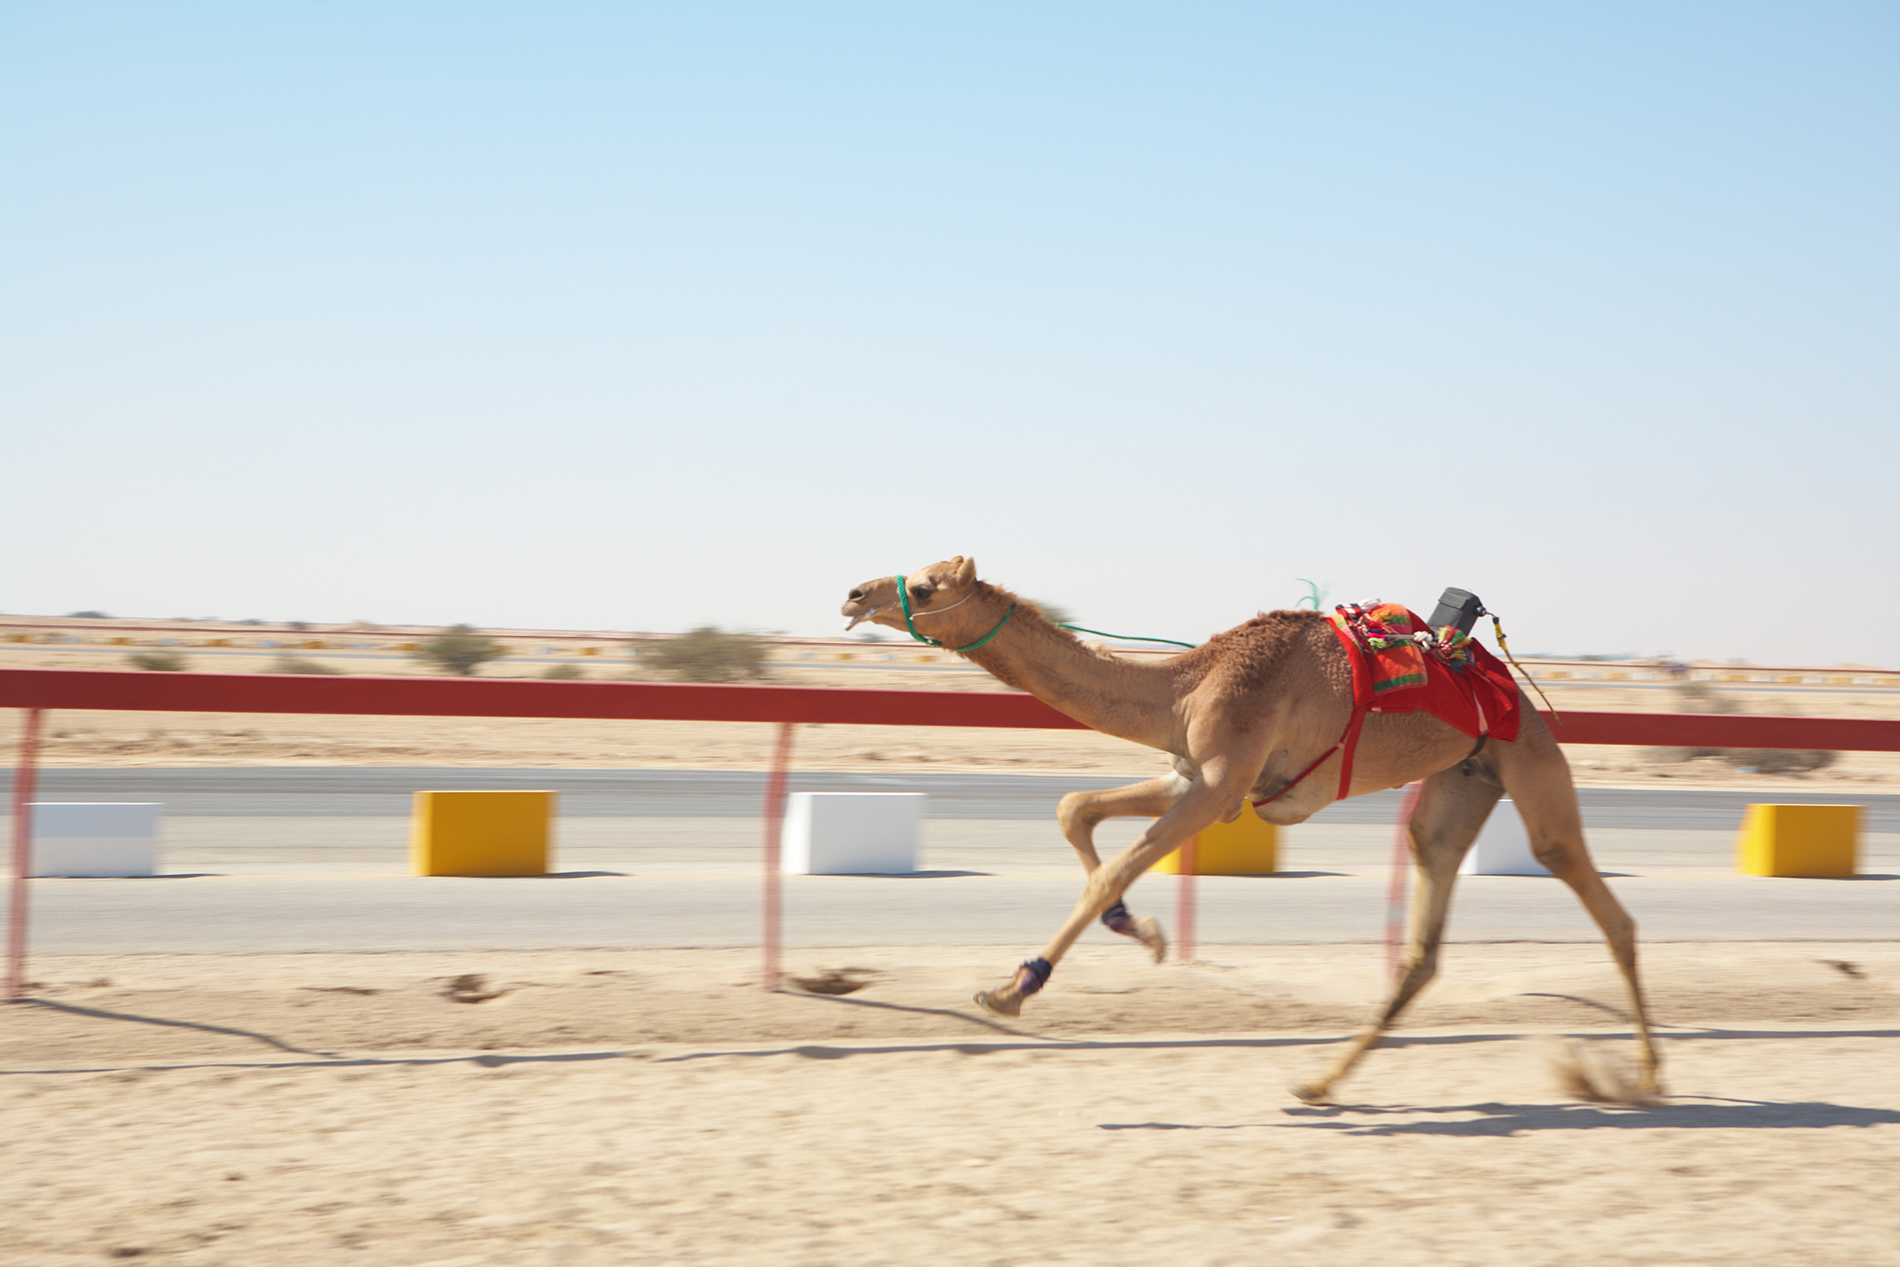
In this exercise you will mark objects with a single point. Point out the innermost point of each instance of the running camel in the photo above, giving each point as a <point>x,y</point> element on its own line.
<point>1247,716</point>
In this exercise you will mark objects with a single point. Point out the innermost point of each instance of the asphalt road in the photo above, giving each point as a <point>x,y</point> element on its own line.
<point>294,860</point>
<point>250,914</point>
<point>331,791</point>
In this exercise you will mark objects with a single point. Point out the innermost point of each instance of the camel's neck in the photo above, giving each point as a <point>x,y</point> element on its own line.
<point>1117,697</point>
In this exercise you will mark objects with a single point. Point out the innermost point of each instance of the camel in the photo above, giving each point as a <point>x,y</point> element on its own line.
<point>1243,716</point>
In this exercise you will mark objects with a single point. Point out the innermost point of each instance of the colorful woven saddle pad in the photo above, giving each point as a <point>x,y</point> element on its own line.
<point>1443,673</point>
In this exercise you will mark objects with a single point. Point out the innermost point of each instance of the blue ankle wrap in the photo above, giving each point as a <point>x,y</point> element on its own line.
<point>1119,911</point>
<point>1038,971</point>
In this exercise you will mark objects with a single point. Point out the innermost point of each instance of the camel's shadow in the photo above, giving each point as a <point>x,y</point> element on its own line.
<point>73,1009</point>
<point>1507,1120</point>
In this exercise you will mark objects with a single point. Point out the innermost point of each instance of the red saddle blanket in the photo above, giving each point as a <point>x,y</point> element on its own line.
<point>1450,676</point>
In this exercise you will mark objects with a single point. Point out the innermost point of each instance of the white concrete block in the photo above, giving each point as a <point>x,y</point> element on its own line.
<point>852,833</point>
<point>1503,847</point>
<point>99,839</point>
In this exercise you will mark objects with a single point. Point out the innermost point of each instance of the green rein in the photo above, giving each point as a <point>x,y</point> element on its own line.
<point>903,594</point>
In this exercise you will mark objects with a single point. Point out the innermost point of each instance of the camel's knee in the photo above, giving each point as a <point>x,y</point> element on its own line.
<point>1620,932</point>
<point>1416,972</point>
<point>1077,817</point>
<point>1072,814</point>
<point>1101,891</point>
<point>1420,961</point>
<point>1561,856</point>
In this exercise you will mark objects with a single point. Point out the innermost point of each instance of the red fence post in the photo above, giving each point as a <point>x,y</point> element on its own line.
<point>1184,901</point>
<point>1401,867</point>
<point>774,820</point>
<point>22,854</point>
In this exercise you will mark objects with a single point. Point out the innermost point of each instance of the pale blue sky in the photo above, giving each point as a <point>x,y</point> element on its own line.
<point>642,316</point>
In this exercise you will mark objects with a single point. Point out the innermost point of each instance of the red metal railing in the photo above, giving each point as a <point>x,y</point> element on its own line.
<point>38,690</point>
<point>665,701</point>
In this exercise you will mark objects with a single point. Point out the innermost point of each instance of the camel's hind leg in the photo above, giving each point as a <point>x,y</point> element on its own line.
<point>1537,777</point>
<point>1452,809</point>
<point>1081,812</point>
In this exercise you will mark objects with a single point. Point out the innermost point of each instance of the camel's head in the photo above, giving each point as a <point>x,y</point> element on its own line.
<point>931,589</point>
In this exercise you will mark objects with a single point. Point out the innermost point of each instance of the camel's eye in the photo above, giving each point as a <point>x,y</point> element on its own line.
<point>921,593</point>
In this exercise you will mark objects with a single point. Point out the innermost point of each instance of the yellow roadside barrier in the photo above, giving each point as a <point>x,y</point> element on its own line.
<point>1247,846</point>
<point>480,833</point>
<point>1798,840</point>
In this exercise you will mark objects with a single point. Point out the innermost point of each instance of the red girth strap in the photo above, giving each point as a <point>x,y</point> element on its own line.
<point>1349,741</point>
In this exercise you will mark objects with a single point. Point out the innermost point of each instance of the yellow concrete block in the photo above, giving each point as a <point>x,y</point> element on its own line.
<point>481,833</point>
<point>1798,840</point>
<point>1247,846</point>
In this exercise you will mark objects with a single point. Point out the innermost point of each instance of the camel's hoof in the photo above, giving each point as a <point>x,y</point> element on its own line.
<point>1148,929</point>
<point>1000,1003</point>
<point>1307,1093</point>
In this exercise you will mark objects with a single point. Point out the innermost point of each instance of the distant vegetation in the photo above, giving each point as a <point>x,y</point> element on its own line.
<point>1699,697</point>
<point>459,649</point>
<point>707,654</point>
<point>298,664</point>
<point>1779,760</point>
<point>564,673</point>
<point>87,616</point>
<point>158,661</point>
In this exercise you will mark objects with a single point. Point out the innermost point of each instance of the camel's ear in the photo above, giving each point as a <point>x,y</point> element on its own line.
<point>966,570</point>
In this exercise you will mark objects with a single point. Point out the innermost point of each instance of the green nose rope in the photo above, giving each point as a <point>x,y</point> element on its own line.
<point>903,594</point>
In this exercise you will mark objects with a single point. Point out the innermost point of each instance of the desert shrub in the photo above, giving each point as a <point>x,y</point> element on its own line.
<point>1780,760</point>
<point>298,664</point>
<point>158,661</point>
<point>1760,760</point>
<point>459,649</point>
<point>564,673</point>
<point>707,654</point>
<point>1675,756</point>
<point>1699,697</point>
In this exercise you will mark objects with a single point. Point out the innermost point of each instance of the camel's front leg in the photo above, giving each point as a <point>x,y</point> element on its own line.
<point>1206,801</point>
<point>1081,812</point>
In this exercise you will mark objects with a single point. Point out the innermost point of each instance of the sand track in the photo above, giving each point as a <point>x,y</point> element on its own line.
<point>655,1107</point>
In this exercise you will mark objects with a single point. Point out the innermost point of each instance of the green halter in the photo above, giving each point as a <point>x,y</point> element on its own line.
<point>903,594</point>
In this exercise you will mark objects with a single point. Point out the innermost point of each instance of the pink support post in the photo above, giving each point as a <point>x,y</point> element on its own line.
<point>1184,901</point>
<point>22,854</point>
<point>774,821</point>
<point>1401,865</point>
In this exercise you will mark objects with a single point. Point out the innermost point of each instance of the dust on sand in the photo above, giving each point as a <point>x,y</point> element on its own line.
<point>569,1107</point>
